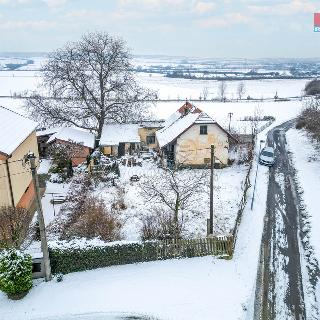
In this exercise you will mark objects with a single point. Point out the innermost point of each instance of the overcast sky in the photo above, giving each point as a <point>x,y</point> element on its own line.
<point>217,29</point>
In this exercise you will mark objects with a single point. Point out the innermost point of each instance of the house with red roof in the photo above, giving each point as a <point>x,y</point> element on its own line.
<point>187,137</point>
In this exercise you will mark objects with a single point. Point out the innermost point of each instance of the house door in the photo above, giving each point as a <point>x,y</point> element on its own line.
<point>121,149</point>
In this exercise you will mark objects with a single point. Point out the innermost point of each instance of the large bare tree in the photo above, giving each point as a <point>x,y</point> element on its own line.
<point>89,83</point>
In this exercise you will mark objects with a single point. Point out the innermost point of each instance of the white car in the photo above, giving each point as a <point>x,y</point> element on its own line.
<point>267,156</point>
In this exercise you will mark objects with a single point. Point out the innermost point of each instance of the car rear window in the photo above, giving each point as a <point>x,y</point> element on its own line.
<point>267,154</point>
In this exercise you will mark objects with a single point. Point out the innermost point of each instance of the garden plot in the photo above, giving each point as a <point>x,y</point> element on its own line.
<point>228,191</point>
<point>133,206</point>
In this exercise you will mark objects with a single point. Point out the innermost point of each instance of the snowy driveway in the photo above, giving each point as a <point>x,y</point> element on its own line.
<point>281,293</point>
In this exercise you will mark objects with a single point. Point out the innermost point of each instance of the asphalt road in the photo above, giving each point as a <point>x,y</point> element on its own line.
<point>279,286</point>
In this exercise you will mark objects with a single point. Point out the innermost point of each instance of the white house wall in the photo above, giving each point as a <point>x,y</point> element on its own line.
<point>194,149</point>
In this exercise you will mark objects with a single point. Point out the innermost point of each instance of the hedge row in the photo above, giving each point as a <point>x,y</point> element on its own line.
<point>79,259</point>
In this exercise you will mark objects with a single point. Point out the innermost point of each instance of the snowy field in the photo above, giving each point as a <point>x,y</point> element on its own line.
<point>170,88</point>
<point>27,81</point>
<point>20,82</point>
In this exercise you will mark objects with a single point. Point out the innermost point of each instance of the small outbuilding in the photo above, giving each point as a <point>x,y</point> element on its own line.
<point>120,139</point>
<point>85,141</point>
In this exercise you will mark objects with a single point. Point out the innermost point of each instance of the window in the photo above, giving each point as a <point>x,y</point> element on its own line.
<point>203,130</point>
<point>151,139</point>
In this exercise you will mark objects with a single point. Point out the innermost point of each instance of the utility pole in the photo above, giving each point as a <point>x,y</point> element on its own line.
<point>230,114</point>
<point>44,245</point>
<point>212,158</point>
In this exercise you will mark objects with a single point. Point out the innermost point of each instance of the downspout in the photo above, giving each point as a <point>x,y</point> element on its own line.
<point>10,182</point>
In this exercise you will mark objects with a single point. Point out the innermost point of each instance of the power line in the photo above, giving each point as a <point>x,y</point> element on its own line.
<point>15,174</point>
<point>52,159</point>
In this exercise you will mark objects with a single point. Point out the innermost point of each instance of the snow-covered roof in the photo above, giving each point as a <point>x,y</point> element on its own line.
<point>115,133</point>
<point>180,121</point>
<point>171,132</point>
<point>14,130</point>
<point>47,131</point>
<point>152,123</point>
<point>76,135</point>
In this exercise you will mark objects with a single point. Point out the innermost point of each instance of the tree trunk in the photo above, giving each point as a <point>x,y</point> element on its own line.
<point>176,218</point>
<point>99,133</point>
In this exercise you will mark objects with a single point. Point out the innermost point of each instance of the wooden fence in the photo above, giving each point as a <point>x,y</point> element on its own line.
<point>242,203</point>
<point>217,246</point>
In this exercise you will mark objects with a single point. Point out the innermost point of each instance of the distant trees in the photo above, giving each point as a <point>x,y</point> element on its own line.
<point>205,93</point>
<point>312,87</point>
<point>222,90</point>
<point>93,82</point>
<point>241,90</point>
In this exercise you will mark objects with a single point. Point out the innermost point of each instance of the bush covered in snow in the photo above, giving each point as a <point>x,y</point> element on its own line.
<point>15,272</point>
<point>66,258</point>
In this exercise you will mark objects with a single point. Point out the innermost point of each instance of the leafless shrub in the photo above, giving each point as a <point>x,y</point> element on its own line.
<point>119,203</point>
<point>310,118</point>
<point>93,220</point>
<point>14,225</point>
<point>160,226</point>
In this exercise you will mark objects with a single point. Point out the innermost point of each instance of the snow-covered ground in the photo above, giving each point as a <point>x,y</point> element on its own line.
<point>228,190</point>
<point>52,191</point>
<point>282,110</point>
<point>198,288</point>
<point>170,88</point>
<point>305,153</point>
